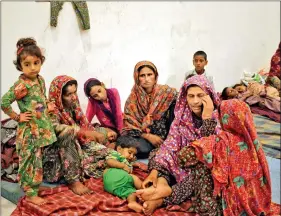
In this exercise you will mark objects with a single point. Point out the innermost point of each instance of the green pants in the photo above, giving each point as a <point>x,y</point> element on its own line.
<point>30,173</point>
<point>118,182</point>
<point>81,10</point>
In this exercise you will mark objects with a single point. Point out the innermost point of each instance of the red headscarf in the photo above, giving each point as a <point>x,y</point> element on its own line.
<point>183,131</point>
<point>55,95</point>
<point>238,163</point>
<point>140,111</point>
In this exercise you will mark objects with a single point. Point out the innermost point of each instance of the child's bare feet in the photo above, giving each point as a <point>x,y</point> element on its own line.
<point>150,206</point>
<point>79,189</point>
<point>135,206</point>
<point>36,200</point>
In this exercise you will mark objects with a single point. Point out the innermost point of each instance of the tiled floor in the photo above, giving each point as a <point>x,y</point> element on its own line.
<point>6,207</point>
<point>274,164</point>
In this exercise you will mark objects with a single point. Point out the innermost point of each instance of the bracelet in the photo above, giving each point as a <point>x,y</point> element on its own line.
<point>16,117</point>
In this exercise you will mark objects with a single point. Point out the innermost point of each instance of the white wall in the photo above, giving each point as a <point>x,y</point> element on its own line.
<point>236,36</point>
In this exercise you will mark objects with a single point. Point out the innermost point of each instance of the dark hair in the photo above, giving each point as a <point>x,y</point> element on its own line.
<point>127,142</point>
<point>202,53</point>
<point>148,66</point>
<point>224,94</point>
<point>29,47</point>
<point>71,82</point>
<point>239,84</point>
<point>188,76</point>
<point>90,85</point>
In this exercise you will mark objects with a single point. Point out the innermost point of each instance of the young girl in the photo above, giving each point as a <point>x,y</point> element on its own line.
<point>35,129</point>
<point>105,104</point>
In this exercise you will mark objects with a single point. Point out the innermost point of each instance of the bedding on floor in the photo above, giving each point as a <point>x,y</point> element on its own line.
<point>65,203</point>
<point>269,135</point>
<point>265,112</point>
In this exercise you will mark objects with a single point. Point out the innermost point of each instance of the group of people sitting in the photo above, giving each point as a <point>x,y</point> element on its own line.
<point>200,149</point>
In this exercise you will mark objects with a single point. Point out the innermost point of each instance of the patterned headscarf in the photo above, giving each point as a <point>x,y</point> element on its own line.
<point>140,111</point>
<point>183,114</point>
<point>183,131</point>
<point>237,160</point>
<point>55,95</point>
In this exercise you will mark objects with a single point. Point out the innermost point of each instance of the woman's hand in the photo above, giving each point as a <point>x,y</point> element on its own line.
<point>112,135</point>
<point>151,179</point>
<point>93,135</point>
<point>208,107</point>
<point>51,107</point>
<point>100,138</point>
<point>154,139</point>
<point>25,117</point>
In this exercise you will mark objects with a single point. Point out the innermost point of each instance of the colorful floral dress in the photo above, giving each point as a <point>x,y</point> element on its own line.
<point>148,113</point>
<point>237,163</point>
<point>88,154</point>
<point>194,182</point>
<point>32,135</point>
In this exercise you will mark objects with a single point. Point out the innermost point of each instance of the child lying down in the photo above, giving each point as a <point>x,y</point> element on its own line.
<point>254,93</point>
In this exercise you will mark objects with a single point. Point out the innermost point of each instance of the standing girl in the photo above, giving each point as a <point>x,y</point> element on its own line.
<point>35,129</point>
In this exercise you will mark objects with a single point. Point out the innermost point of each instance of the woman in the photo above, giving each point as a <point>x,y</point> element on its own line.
<point>274,73</point>
<point>149,109</point>
<point>72,129</point>
<point>105,104</point>
<point>195,117</point>
<point>236,159</point>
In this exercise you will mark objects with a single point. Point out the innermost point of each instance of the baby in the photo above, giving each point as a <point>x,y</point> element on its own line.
<point>118,178</point>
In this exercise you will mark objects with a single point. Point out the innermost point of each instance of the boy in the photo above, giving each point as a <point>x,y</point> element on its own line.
<point>199,62</point>
<point>117,178</point>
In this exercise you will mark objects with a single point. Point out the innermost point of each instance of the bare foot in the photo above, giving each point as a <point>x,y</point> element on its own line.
<point>79,189</point>
<point>150,206</point>
<point>153,193</point>
<point>36,200</point>
<point>135,206</point>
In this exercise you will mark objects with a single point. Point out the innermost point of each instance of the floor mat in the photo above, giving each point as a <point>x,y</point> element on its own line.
<point>63,202</point>
<point>269,135</point>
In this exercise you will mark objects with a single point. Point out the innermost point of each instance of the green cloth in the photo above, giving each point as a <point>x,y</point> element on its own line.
<point>81,10</point>
<point>117,156</point>
<point>118,182</point>
<point>33,135</point>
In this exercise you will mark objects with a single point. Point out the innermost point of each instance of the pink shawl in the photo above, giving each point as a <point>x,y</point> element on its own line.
<point>182,130</point>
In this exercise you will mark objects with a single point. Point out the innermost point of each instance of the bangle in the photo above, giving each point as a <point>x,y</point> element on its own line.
<point>16,117</point>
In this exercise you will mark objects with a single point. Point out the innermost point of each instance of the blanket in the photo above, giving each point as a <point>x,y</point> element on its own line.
<point>269,135</point>
<point>63,202</point>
